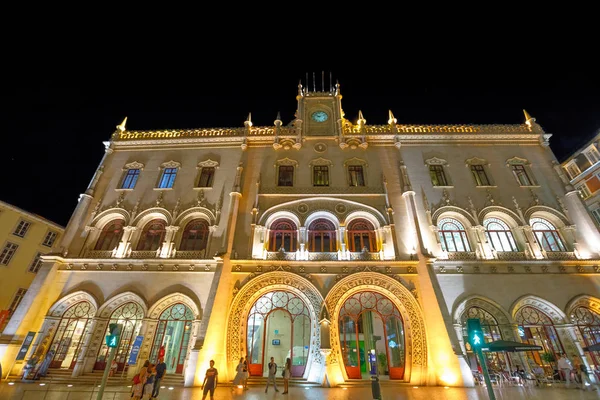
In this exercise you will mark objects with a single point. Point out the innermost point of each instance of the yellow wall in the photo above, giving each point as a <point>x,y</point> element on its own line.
<point>16,274</point>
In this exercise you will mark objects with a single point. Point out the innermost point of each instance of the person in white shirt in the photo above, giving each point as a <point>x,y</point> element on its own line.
<point>564,366</point>
<point>272,374</point>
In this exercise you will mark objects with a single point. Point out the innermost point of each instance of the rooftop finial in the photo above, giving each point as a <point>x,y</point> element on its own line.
<point>391,119</point>
<point>278,119</point>
<point>122,126</point>
<point>314,83</point>
<point>361,119</point>
<point>248,122</point>
<point>528,118</point>
<point>300,87</point>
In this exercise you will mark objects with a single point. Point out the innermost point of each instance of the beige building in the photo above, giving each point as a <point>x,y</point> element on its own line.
<point>24,238</point>
<point>348,247</point>
<point>582,170</point>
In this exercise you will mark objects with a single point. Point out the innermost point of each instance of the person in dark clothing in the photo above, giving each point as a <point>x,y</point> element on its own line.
<point>210,381</point>
<point>160,369</point>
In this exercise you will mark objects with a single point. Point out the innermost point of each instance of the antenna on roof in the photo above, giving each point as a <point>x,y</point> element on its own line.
<point>314,84</point>
<point>322,81</point>
<point>330,86</point>
<point>307,85</point>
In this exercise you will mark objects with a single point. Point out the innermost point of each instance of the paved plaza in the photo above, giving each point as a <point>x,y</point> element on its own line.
<point>62,392</point>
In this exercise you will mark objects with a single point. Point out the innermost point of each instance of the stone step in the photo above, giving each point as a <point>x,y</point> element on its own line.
<point>296,382</point>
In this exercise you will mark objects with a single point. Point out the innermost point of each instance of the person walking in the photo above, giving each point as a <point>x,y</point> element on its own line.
<point>160,369</point>
<point>564,366</point>
<point>582,371</point>
<point>287,374</point>
<point>240,374</point>
<point>211,379</point>
<point>246,373</point>
<point>149,385</point>
<point>272,374</point>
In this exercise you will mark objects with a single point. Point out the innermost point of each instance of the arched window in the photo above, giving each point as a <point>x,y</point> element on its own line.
<point>491,333</point>
<point>152,235</point>
<point>321,236</point>
<point>453,236</point>
<point>361,235</point>
<point>588,323</point>
<point>173,337</point>
<point>110,235</point>
<point>499,235</point>
<point>546,235</point>
<point>71,331</point>
<point>195,236</point>
<point>537,328</point>
<point>283,234</point>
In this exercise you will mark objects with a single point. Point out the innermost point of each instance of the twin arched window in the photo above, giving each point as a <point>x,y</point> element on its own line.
<point>195,236</point>
<point>499,235</point>
<point>361,235</point>
<point>283,235</point>
<point>322,236</point>
<point>546,235</point>
<point>110,235</point>
<point>453,236</point>
<point>152,235</point>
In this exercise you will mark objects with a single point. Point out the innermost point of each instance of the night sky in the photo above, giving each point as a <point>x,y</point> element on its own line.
<point>54,124</point>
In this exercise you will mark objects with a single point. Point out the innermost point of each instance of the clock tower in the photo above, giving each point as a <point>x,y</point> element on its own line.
<point>319,112</point>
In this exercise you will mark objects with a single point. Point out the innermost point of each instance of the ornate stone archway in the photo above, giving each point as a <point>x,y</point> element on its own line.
<point>249,293</point>
<point>416,355</point>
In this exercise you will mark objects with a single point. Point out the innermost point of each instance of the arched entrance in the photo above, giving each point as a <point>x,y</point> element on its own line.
<point>130,316</point>
<point>71,331</point>
<point>271,302</point>
<point>393,314</point>
<point>535,327</point>
<point>172,337</point>
<point>587,322</point>
<point>371,336</point>
<point>279,327</point>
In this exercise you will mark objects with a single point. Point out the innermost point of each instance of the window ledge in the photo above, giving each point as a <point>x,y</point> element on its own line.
<point>488,186</point>
<point>123,190</point>
<point>443,187</point>
<point>202,187</point>
<point>160,189</point>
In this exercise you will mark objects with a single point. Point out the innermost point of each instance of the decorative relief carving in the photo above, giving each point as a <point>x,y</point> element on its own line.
<point>320,147</point>
<point>340,208</point>
<point>302,208</point>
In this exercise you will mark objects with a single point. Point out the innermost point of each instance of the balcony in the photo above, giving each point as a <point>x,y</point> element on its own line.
<point>143,254</point>
<point>188,255</point>
<point>281,255</point>
<point>364,256</point>
<point>511,255</point>
<point>323,256</point>
<point>98,254</point>
<point>560,255</point>
<point>462,255</point>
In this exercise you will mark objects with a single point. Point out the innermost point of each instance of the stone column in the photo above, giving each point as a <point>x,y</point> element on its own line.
<point>85,361</point>
<point>302,239</point>
<point>168,244</point>
<point>125,243</point>
<point>534,247</point>
<point>588,233</point>
<point>343,242</point>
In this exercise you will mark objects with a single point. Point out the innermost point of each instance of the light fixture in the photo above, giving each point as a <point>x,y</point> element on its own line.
<point>130,386</point>
<point>69,385</point>
<point>446,387</point>
<point>415,387</point>
<point>344,388</point>
<point>162,387</point>
<point>42,384</point>
<point>240,386</point>
<point>171,388</point>
<point>11,383</point>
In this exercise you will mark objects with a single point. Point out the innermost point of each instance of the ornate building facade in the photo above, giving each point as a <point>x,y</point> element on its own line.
<point>349,248</point>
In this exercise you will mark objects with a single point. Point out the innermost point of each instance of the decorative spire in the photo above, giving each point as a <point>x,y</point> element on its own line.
<point>391,119</point>
<point>300,88</point>
<point>528,118</point>
<point>121,127</point>
<point>248,122</point>
<point>278,119</point>
<point>337,88</point>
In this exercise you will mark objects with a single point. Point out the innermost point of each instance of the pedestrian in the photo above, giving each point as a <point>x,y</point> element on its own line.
<point>160,369</point>
<point>113,368</point>
<point>149,385</point>
<point>210,381</point>
<point>246,373</point>
<point>240,374</point>
<point>564,366</point>
<point>272,374</point>
<point>287,374</point>
<point>143,375</point>
<point>582,371</point>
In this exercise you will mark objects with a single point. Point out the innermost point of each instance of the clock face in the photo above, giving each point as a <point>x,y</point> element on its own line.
<point>319,116</point>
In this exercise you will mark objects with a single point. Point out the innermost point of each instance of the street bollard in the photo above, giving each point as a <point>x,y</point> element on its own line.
<point>375,389</point>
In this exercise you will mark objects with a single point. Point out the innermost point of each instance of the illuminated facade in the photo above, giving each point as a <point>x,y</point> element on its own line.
<point>349,248</point>
<point>24,238</point>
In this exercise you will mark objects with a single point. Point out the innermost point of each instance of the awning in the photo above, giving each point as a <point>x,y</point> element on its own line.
<point>507,345</point>
<point>593,347</point>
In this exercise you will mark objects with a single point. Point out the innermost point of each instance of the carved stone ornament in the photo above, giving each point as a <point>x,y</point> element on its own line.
<point>134,165</point>
<point>170,164</point>
<point>340,208</point>
<point>302,208</point>
<point>436,161</point>
<point>475,161</point>
<point>320,147</point>
<point>208,163</point>
<point>517,161</point>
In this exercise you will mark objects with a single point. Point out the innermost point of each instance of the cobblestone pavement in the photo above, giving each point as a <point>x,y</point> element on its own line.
<point>22,391</point>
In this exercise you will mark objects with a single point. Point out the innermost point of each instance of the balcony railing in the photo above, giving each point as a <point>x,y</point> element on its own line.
<point>143,254</point>
<point>364,256</point>
<point>560,255</point>
<point>461,255</point>
<point>323,256</point>
<point>511,255</point>
<point>98,254</point>
<point>197,254</point>
<point>281,255</point>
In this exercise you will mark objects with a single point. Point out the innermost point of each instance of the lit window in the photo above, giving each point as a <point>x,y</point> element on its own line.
<point>206,177</point>
<point>322,236</point>
<point>438,177</point>
<point>546,235</point>
<point>195,236</point>
<point>7,253</point>
<point>130,178</point>
<point>584,191</point>
<point>167,178</point>
<point>36,264</point>
<point>286,175</point>
<point>479,175</point>
<point>355,174</point>
<point>22,228</point>
<point>453,236</point>
<point>320,175</point>
<point>152,235</point>
<point>499,235</point>
<point>283,234</point>
<point>573,170</point>
<point>361,235</point>
<point>596,214</point>
<point>592,155</point>
<point>49,239</point>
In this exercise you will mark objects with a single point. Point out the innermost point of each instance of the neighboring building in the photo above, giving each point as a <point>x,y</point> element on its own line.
<point>582,170</point>
<point>344,246</point>
<point>24,238</point>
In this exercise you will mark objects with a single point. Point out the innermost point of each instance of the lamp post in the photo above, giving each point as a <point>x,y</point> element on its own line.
<point>112,341</point>
<point>476,340</point>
